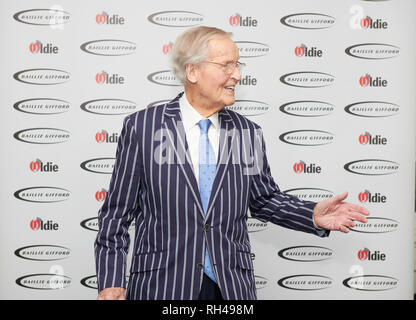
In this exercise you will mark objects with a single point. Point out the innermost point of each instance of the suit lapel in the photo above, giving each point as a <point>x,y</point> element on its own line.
<point>224,158</point>
<point>177,139</point>
<point>175,133</point>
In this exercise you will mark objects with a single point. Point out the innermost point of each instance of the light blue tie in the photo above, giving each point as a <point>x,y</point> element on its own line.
<point>207,167</point>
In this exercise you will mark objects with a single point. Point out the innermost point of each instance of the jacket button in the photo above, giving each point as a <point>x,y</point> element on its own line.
<point>206,227</point>
<point>200,265</point>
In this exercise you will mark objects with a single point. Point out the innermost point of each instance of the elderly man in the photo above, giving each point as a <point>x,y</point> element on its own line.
<point>187,172</point>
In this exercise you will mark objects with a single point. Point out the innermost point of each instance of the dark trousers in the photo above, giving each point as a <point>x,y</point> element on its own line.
<point>209,290</point>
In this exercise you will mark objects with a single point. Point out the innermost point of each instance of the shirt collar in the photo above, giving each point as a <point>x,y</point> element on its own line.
<point>191,117</point>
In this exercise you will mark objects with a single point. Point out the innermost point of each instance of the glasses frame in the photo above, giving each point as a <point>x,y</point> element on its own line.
<point>235,65</point>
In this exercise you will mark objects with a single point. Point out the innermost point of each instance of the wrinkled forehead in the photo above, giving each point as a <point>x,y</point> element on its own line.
<point>223,49</point>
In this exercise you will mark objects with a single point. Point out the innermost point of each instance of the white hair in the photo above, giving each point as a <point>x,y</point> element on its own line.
<point>191,47</point>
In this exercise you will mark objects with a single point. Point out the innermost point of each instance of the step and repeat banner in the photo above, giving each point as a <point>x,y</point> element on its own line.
<point>332,83</point>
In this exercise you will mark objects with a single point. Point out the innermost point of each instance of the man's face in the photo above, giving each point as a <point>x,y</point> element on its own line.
<point>215,87</point>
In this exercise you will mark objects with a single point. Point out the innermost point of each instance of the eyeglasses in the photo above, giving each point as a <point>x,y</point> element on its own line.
<point>230,66</point>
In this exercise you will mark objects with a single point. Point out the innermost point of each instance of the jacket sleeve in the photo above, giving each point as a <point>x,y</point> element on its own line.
<point>117,212</point>
<point>268,203</point>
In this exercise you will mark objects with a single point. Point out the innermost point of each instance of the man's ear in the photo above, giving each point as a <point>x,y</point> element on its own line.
<point>192,72</point>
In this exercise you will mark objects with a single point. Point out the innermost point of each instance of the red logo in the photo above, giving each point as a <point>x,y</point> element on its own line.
<point>35,224</point>
<point>167,48</point>
<point>364,138</point>
<point>34,47</point>
<point>364,196</point>
<point>101,195</point>
<point>298,167</point>
<point>101,77</point>
<point>363,254</point>
<point>365,23</point>
<point>101,136</point>
<point>365,80</point>
<point>101,18</point>
<point>300,51</point>
<point>35,165</point>
<point>235,20</point>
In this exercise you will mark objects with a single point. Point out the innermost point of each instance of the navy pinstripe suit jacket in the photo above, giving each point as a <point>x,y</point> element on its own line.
<point>153,184</point>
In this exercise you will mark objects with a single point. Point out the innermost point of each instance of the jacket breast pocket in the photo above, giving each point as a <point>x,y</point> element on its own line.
<point>148,261</point>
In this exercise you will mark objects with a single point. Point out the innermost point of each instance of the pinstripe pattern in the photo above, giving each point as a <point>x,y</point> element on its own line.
<point>162,197</point>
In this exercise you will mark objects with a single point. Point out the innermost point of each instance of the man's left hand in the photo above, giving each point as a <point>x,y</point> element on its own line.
<point>335,214</point>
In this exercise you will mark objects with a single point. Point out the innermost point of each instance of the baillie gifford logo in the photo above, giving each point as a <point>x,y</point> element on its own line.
<point>105,19</point>
<point>367,197</point>
<point>40,166</point>
<point>38,47</point>
<point>369,81</point>
<point>308,52</point>
<point>110,79</point>
<point>303,167</point>
<point>239,21</point>
<point>105,137</point>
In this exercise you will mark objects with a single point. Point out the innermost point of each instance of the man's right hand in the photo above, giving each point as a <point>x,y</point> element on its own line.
<point>115,293</point>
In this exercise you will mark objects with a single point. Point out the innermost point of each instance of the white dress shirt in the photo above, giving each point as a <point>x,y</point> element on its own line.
<point>190,119</point>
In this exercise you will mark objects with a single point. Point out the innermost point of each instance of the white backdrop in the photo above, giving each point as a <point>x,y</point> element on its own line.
<point>331,83</point>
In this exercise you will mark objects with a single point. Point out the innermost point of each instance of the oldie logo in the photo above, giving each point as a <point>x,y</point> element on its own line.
<point>369,197</point>
<point>371,139</point>
<point>105,19</point>
<point>254,225</point>
<point>261,282</point>
<point>310,194</point>
<point>250,49</point>
<point>167,48</point>
<point>39,47</point>
<point>238,20</point>
<point>104,137</point>
<point>371,283</point>
<point>307,79</point>
<point>371,23</point>
<point>42,135</point>
<point>164,78</point>
<point>307,137</point>
<point>42,194</point>
<point>43,252</point>
<point>99,165</point>
<point>372,167</point>
<point>176,18</point>
<point>306,168</point>
<point>100,195</point>
<point>366,255</point>
<point>109,106</point>
<point>43,106</point>
<point>104,77</point>
<point>42,76</point>
<point>44,281</point>
<point>247,80</point>
<point>42,17</point>
<point>249,107</point>
<point>39,224</point>
<point>369,81</point>
<point>307,108</point>
<point>372,109</point>
<point>109,47</point>
<point>373,51</point>
<point>305,282</point>
<point>376,225</point>
<point>308,21</point>
<point>42,166</point>
<point>306,253</point>
<point>307,52</point>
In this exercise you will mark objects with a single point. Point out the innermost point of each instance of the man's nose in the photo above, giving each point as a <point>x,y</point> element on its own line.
<point>236,74</point>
